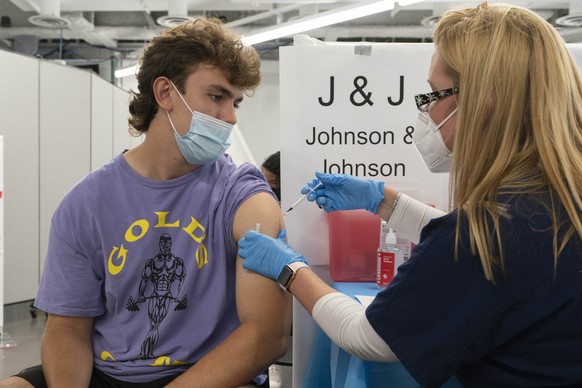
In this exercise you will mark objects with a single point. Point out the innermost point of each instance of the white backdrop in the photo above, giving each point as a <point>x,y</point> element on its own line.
<point>329,94</point>
<point>347,112</point>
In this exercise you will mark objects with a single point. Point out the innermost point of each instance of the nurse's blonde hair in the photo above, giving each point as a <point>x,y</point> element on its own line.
<point>519,124</point>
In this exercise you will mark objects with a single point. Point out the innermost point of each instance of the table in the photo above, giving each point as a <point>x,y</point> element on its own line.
<point>331,367</point>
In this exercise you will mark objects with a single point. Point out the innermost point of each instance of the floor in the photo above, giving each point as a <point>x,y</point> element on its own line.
<point>20,344</point>
<point>20,341</point>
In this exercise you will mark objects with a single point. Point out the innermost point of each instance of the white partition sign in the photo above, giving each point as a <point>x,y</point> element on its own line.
<point>348,108</point>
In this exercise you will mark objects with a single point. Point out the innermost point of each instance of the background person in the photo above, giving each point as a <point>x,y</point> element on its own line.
<point>492,294</point>
<point>142,281</point>
<point>271,168</point>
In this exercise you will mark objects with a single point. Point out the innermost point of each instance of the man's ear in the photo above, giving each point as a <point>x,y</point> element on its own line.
<point>163,93</point>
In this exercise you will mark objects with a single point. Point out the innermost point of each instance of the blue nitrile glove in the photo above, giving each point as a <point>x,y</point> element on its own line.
<point>345,192</point>
<point>266,255</point>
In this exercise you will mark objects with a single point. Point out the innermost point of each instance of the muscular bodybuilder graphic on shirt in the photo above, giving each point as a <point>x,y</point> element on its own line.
<point>166,273</point>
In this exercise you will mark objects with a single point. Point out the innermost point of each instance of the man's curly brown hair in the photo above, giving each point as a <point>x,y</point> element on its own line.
<point>178,51</point>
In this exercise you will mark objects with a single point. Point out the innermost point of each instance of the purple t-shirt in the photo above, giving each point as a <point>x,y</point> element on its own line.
<point>152,261</point>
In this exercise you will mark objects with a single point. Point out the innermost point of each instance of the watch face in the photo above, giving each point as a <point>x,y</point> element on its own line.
<point>285,276</point>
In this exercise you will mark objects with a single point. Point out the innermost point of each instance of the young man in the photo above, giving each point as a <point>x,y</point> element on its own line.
<point>142,282</point>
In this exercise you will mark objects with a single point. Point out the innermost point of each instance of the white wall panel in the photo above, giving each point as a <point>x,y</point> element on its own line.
<point>122,140</point>
<point>101,121</point>
<point>65,137</point>
<point>19,126</point>
<point>258,117</point>
<point>58,124</point>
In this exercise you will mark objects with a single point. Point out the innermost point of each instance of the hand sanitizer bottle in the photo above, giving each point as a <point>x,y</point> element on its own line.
<point>405,247</point>
<point>388,256</point>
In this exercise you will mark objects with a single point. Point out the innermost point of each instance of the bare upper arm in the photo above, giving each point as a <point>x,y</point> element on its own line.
<point>82,326</point>
<point>62,332</point>
<point>258,297</point>
<point>260,209</point>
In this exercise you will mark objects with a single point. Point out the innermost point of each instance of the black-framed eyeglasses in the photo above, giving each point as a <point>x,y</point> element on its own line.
<point>423,100</point>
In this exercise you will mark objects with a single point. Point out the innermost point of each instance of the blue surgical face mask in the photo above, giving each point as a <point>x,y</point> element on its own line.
<point>429,142</point>
<point>207,139</point>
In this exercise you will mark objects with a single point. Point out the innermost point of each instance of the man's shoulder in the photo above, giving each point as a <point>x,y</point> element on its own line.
<point>94,186</point>
<point>228,167</point>
<point>241,176</point>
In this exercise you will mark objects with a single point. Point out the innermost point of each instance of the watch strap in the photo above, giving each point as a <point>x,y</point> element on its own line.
<point>294,267</point>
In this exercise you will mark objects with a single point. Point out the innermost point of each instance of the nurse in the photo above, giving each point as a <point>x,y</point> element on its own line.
<point>492,293</point>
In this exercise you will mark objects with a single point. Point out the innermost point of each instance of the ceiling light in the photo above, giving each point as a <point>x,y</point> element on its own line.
<point>574,16</point>
<point>49,15</point>
<point>126,72</point>
<point>312,22</point>
<point>571,20</point>
<point>173,21</point>
<point>177,14</point>
<point>323,19</point>
<point>47,21</point>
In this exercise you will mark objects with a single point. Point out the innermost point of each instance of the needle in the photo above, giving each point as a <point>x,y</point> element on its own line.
<point>303,197</point>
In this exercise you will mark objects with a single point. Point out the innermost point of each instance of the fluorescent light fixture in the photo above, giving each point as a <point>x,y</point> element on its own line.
<point>327,18</point>
<point>126,72</point>
<point>323,19</point>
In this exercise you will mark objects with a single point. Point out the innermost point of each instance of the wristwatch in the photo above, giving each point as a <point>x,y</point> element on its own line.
<point>288,274</point>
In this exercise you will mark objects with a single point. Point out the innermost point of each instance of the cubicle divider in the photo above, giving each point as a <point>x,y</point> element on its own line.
<point>59,123</point>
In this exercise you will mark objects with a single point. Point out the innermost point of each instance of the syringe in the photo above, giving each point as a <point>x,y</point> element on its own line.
<point>303,197</point>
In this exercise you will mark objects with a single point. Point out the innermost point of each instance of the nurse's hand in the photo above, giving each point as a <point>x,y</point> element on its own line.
<point>345,192</point>
<point>266,255</point>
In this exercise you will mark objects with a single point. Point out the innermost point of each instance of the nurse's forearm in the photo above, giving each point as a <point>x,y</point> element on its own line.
<point>308,288</point>
<point>344,321</point>
<point>342,318</point>
<point>405,214</point>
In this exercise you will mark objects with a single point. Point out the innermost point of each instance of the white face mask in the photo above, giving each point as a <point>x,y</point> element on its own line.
<point>207,139</point>
<point>430,144</point>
